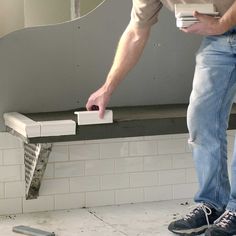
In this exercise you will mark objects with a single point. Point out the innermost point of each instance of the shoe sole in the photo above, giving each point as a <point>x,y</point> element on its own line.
<point>190,232</point>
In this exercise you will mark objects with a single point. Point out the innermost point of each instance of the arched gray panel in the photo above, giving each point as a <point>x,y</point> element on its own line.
<point>57,67</point>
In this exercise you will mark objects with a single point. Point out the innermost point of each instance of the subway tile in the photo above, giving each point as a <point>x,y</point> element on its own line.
<point>13,156</point>
<point>111,150</point>
<point>14,189</point>
<point>231,132</point>
<point>68,143</point>
<point>172,146</point>
<point>42,203</point>
<point>101,198</point>
<point>158,193</point>
<point>49,172</point>
<point>69,169</point>
<point>143,148</point>
<point>125,196</point>
<point>181,136</point>
<point>184,190</point>
<point>124,165</point>
<point>143,179</point>
<point>10,173</point>
<point>69,201</point>
<point>1,190</point>
<point>114,181</point>
<point>8,141</point>
<point>1,157</point>
<point>84,184</point>
<point>59,154</point>
<point>158,137</point>
<point>183,160</point>
<point>84,152</point>
<point>54,186</point>
<point>99,167</point>
<point>230,140</point>
<point>191,176</point>
<point>167,177</point>
<point>10,206</point>
<point>115,140</point>
<point>161,162</point>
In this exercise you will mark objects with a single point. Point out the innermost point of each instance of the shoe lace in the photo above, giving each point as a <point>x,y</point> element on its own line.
<point>225,219</point>
<point>200,207</point>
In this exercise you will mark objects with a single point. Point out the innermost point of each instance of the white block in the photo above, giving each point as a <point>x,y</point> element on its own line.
<point>143,179</point>
<point>158,193</point>
<point>84,152</point>
<point>191,176</point>
<point>43,203</point>
<point>57,128</point>
<point>10,206</point>
<point>69,201</point>
<point>172,177</point>
<point>183,9</point>
<point>163,162</point>
<point>54,186</point>
<point>22,124</point>
<point>59,154</point>
<point>184,190</point>
<point>69,169</point>
<point>1,190</point>
<point>129,196</point>
<point>10,173</point>
<point>92,117</point>
<point>14,189</point>
<point>13,157</point>
<point>172,146</point>
<point>8,141</point>
<point>49,172</point>
<point>124,165</point>
<point>143,148</point>
<point>84,184</point>
<point>101,198</point>
<point>114,181</point>
<point>99,167</point>
<point>111,150</point>
<point>181,161</point>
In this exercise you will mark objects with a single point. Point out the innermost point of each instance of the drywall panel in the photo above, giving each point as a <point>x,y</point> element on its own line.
<point>57,67</point>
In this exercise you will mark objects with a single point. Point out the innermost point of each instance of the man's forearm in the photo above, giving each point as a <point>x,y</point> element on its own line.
<point>129,50</point>
<point>228,20</point>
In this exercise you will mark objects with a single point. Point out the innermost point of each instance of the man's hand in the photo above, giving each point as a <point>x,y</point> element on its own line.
<point>207,25</point>
<point>99,99</point>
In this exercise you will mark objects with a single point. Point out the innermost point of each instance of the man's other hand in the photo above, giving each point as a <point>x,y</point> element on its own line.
<point>207,25</point>
<point>99,99</point>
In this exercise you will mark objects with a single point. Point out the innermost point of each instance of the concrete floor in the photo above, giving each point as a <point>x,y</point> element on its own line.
<point>144,219</point>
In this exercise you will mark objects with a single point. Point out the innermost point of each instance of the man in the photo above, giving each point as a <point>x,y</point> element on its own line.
<point>214,88</point>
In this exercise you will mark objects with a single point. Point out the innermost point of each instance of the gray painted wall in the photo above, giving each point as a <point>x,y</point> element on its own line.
<point>57,67</point>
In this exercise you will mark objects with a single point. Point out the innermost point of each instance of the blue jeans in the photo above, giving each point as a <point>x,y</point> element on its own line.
<point>213,93</point>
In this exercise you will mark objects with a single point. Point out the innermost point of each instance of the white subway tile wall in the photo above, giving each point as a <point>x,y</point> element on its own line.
<point>101,172</point>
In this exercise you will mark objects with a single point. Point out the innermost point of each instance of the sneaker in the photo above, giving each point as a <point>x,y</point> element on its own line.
<point>224,226</point>
<point>196,222</point>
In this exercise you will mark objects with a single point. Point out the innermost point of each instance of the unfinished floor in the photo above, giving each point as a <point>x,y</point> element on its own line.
<point>144,219</point>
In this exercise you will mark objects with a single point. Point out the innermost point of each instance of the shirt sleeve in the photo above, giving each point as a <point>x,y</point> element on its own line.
<point>145,12</point>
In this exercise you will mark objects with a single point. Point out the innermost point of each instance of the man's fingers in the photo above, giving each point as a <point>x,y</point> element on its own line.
<point>101,112</point>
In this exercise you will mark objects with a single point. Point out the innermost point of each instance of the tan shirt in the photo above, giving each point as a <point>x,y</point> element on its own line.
<point>145,12</point>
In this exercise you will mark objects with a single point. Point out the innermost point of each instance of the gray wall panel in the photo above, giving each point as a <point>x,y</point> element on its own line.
<point>57,67</point>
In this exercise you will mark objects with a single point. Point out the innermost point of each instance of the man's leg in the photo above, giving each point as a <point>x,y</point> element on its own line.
<point>214,87</point>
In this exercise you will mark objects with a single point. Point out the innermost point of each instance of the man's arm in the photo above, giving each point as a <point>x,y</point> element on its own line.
<point>210,26</point>
<point>129,50</point>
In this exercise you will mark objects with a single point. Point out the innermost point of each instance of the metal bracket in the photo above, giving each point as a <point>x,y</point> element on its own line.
<point>36,159</point>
